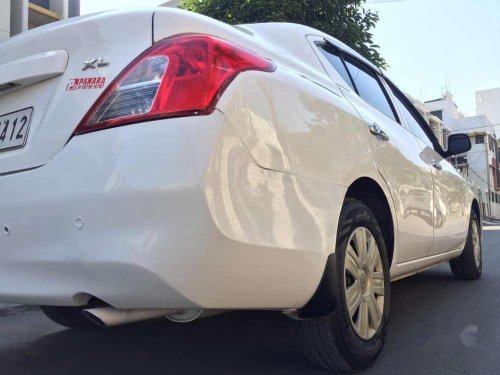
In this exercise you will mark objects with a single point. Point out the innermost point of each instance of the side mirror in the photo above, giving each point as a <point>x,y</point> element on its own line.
<point>458,144</point>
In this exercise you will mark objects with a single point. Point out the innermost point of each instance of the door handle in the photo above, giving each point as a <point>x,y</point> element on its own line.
<point>376,131</point>
<point>436,164</point>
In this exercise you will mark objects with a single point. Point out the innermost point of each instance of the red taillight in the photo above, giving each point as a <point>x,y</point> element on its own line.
<point>179,76</point>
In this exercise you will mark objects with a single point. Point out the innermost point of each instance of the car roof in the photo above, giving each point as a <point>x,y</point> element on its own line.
<point>306,30</point>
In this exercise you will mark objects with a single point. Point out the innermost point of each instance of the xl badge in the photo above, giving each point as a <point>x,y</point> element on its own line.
<point>96,63</point>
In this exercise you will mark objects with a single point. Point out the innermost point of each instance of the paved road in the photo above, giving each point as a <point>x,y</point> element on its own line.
<point>439,326</point>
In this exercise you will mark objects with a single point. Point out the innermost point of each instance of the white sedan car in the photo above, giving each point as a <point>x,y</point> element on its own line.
<point>160,163</point>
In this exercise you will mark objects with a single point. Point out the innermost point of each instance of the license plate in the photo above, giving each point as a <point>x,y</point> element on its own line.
<point>14,129</point>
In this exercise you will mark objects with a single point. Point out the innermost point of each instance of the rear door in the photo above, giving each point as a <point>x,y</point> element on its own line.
<point>46,88</point>
<point>396,153</point>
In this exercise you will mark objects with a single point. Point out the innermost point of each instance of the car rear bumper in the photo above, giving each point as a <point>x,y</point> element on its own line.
<point>171,213</point>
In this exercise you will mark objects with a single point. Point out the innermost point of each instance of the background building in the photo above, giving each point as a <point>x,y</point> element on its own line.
<point>17,16</point>
<point>4,19</point>
<point>480,165</point>
<point>488,103</point>
<point>444,108</point>
<point>481,162</point>
<point>440,130</point>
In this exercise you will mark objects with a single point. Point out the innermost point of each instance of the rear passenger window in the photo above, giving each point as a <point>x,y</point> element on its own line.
<point>332,55</point>
<point>370,89</point>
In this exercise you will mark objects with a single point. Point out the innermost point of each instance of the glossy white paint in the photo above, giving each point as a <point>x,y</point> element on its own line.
<point>57,111</point>
<point>162,226</point>
<point>452,197</point>
<point>238,209</point>
<point>33,69</point>
<point>408,178</point>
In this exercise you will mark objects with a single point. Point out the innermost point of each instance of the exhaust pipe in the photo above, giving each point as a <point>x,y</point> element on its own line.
<point>110,317</point>
<point>190,315</point>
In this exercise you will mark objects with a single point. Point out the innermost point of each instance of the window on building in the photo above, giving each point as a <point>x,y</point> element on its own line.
<point>459,160</point>
<point>332,55</point>
<point>369,87</point>
<point>479,139</point>
<point>490,143</point>
<point>42,3</point>
<point>438,114</point>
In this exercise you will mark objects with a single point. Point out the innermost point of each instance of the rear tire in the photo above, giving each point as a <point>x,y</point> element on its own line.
<point>339,341</point>
<point>67,316</point>
<point>469,265</point>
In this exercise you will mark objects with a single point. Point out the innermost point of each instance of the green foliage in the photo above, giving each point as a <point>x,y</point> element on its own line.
<point>346,20</point>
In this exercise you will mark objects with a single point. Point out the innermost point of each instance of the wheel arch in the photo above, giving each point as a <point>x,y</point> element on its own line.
<point>368,191</point>
<point>372,195</point>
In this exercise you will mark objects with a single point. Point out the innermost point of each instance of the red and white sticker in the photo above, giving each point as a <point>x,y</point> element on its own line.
<point>91,83</point>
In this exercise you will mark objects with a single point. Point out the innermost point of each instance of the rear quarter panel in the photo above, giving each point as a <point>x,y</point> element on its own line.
<point>292,124</point>
<point>294,121</point>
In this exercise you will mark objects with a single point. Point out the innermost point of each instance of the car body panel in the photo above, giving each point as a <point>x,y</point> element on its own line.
<point>452,207</point>
<point>409,179</point>
<point>293,125</point>
<point>237,209</point>
<point>58,106</point>
<point>164,229</point>
<point>421,208</point>
<point>26,71</point>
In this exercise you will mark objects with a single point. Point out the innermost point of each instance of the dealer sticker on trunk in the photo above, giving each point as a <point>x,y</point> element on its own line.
<point>90,83</point>
<point>14,129</point>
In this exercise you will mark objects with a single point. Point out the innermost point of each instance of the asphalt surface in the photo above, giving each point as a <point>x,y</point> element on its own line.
<point>438,326</point>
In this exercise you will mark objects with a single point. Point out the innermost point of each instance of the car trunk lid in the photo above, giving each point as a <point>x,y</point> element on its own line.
<point>44,70</point>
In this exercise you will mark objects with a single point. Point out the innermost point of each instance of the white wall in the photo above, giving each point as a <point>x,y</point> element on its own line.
<point>445,104</point>
<point>4,19</point>
<point>18,16</point>
<point>495,210</point>
<point>60,7</point>
<point>488,103</point>
<point>476,158</point>
<point>478,171</point>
